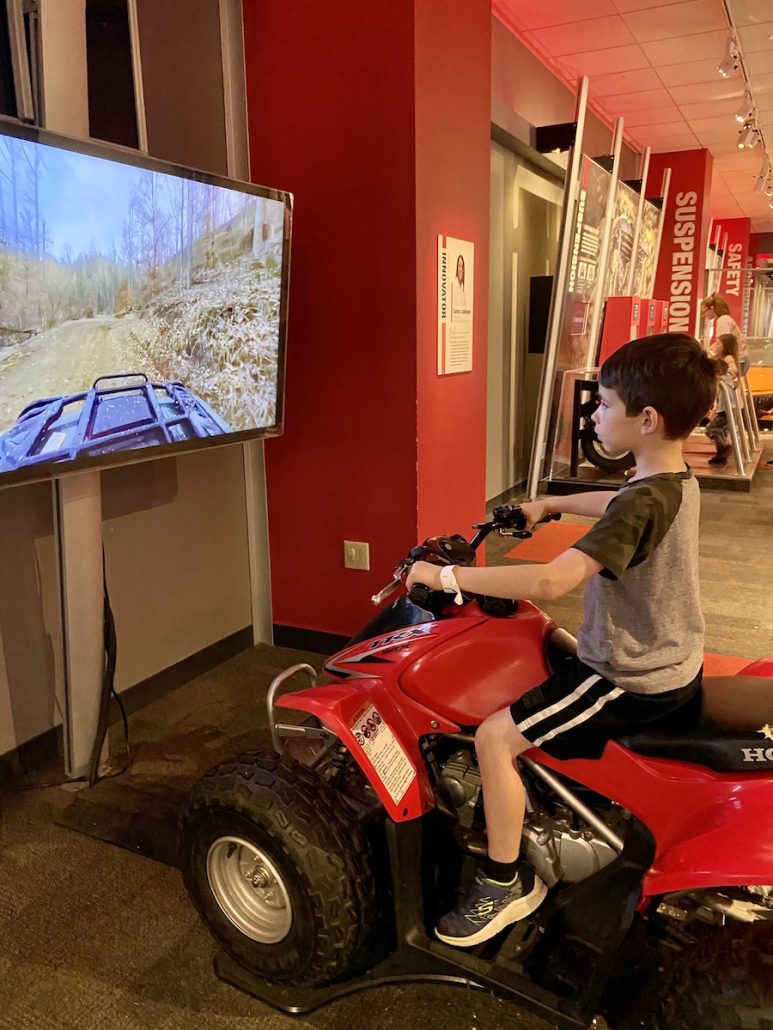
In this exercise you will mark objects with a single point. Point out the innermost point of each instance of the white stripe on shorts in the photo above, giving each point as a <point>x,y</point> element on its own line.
<point>577,692</point>
<point>615,692</point>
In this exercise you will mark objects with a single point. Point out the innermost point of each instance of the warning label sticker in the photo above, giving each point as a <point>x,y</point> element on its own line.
<point>383,750</point>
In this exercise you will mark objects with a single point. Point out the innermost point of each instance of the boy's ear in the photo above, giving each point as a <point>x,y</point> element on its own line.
<point>650,420</point>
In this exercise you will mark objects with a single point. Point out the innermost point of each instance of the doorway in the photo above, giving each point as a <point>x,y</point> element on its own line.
<point>525,217</point>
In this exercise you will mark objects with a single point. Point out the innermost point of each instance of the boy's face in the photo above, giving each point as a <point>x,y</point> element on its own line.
<point>617,431</point>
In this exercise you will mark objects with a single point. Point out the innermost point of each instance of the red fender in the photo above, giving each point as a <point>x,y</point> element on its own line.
<point>709,859</point>
<point>395,768</point>
<point>763,667</point>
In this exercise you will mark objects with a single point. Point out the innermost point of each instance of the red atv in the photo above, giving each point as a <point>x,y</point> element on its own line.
<point>322,869</point>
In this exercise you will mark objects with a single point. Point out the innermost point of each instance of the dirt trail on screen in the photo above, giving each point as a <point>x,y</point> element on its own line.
<point>67,359</point>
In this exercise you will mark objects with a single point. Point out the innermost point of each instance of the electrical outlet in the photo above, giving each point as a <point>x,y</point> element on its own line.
<point>356,555</point>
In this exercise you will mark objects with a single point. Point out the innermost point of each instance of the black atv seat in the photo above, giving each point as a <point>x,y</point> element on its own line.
<point>708,745</point>
<point>689,735</point>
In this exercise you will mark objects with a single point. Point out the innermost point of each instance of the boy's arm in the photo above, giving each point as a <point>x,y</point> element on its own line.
<point>592,504</point>
<point>519,582</point>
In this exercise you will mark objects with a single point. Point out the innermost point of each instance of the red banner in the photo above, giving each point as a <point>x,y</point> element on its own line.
<point>736,259</point>
<point>682,260</point>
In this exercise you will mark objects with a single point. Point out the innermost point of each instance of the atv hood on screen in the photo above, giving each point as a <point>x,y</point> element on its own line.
<point>137,307</point>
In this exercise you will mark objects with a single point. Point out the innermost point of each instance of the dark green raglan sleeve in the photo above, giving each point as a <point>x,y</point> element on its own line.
<point>635,522</point>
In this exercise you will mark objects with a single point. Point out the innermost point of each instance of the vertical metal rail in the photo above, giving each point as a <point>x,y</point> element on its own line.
<point>568,228</point>
<point>139,87</point>
<point>606,235</point>
<point>729,400</point>
<point>645,169</point>
<point>22,83</point>
<point>665,189</point>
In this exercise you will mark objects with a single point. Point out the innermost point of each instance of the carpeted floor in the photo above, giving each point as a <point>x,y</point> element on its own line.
<point>93,937</point>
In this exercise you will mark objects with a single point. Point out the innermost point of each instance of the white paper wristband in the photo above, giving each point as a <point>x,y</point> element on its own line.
<point>449,584</point>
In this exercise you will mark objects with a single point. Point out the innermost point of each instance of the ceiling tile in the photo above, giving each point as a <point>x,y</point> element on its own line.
<point>762,84</point>
<point>759,63</point>
<point>736,161</point>
<point>685,19</point>
<point>756,38</point>
<point>653,116</point>
<point>594,34</point>
<point>718,149</point>
<point>615,59</point>
<point>719,89</point>
<point>670,129</point>
<point>693,71</point>
<point>535,14</point>
<point>719,108</point>
<point>705,46</point>
<point>716,128</point>
<point>665,146</point>
<point>625,102</point>
<point>726,209</point>
<point>749,12</point>
<point>635,5</point>
<point>625,82</point>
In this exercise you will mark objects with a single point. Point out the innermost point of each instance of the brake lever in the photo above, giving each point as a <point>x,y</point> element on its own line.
<point>386,591</point>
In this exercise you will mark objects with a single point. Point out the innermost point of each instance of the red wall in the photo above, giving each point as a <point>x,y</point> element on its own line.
<point>334,115</point>
<point>453,160</point>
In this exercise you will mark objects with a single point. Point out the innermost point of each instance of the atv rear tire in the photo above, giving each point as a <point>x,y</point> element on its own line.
<point>601,458</point>
<point>724,982</point>
<point>278,869</point>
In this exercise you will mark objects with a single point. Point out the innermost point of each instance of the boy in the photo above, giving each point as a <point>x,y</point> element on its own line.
<point>640,647</point>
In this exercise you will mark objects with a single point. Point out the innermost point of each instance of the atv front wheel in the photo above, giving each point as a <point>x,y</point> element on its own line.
<point>723,982</point>
<point>278,869</point>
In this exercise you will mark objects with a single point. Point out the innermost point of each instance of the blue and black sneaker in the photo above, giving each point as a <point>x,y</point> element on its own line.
<point>488,907</point>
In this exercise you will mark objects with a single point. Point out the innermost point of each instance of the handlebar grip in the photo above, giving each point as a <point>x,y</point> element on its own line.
<point>420,594</point>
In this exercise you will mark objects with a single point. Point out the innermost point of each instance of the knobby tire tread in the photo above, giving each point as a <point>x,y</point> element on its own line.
<point>296,806</point>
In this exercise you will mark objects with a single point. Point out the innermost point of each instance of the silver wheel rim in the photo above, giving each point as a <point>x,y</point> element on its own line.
<point>249,889</point>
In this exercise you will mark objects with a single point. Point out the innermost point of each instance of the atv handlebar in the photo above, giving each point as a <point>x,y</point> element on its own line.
<point>507,519</point>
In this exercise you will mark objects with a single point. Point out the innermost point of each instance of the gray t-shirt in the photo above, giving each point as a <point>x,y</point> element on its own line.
<point>643,626</point>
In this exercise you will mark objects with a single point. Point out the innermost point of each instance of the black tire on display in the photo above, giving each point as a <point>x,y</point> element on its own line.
<point>724,982</point>
<point>596,455</point>
<point>278,869</point>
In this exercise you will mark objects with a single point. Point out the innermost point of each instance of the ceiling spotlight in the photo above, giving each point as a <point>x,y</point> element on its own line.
<point>768,190</point>
<point>747,137</point>
<point>731,61</point>
<point>745,111</point>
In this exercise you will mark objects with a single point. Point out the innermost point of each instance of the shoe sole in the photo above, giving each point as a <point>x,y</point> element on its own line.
<point>518,909</point>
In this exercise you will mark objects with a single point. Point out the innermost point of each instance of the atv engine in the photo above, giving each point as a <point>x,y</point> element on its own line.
<point>555,846</point>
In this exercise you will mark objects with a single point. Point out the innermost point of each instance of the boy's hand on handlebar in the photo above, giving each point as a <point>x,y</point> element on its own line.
<point>535,511</point>
<point>424,572</point>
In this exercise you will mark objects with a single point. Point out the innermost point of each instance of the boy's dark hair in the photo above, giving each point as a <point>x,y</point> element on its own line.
<point>669,372</point>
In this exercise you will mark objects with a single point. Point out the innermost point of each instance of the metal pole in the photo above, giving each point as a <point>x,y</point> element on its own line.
<point>25,107</point>
<point>606,235</point>
<point>568,229</point>
<point>78,523</point>
<point>637,228</point>
<point>664,195</point>
<point>725,389</point>
<point>139,88</point>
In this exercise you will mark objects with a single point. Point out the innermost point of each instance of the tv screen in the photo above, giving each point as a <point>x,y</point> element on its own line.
<point>142,306</point>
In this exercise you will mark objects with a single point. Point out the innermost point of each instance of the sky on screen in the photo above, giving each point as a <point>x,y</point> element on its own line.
<point>84,200</point>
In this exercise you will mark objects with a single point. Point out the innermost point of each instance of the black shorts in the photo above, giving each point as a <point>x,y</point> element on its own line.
<point>576,711</point>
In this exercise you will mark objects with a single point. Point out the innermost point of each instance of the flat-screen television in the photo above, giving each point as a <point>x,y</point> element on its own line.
<point>142,306</point>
